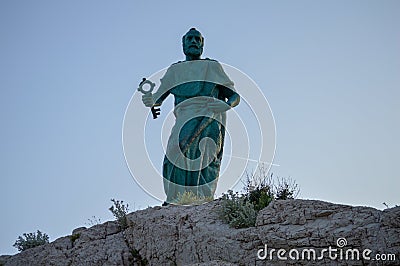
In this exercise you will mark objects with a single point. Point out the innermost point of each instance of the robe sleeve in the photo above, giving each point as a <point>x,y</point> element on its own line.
<point>167,82</point>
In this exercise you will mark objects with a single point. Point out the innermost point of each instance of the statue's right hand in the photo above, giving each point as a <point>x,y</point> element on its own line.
<point>148,99</point>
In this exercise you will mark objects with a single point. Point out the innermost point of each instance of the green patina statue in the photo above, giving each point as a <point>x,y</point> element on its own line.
<point>203,93</point>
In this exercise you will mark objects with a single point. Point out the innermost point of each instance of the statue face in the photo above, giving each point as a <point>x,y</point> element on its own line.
<point>193,43</point>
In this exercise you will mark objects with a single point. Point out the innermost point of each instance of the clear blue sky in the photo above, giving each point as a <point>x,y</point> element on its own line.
<point>329,69</point>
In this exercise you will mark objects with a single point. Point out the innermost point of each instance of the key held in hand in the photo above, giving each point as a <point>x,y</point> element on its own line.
<point>144,82</point>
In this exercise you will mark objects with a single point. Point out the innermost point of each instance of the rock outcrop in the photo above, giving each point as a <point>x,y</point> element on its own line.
<point>287,232</point>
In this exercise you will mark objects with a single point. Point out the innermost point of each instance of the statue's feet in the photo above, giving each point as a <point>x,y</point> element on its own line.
<point>165,203</point>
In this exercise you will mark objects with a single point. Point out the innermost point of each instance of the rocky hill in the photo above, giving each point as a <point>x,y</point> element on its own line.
<point>288,232</point>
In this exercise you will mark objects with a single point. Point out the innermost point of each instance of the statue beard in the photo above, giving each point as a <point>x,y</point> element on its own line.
<point>192,52</point>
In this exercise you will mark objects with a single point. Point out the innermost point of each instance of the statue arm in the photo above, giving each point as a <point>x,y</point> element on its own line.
<point>227,100</point>
<point>159,98</point>
<point>166,84</point>
<point>232,97</point>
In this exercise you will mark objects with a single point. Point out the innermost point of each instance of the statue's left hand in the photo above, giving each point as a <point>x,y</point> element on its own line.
<point>218,106</point>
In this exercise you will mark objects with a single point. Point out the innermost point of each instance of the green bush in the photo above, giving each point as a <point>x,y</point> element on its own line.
<point>31,240</point>
<point>237,211</point>
<point>120,210</point>
<point>260,197</point>
<point>286,188</point>
<point>74,237</point>
<point>258,188</point>
<point>241,211</point>
<point>262,188</point>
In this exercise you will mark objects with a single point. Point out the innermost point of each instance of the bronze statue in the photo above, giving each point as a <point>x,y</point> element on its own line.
<point>203,93</point>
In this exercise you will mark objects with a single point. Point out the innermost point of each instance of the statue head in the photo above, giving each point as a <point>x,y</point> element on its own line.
<point>193,43</point>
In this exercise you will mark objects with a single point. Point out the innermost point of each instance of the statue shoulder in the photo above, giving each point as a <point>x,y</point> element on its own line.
<point>177,63</point>
<point>205,59</point>
<point>210,59</point>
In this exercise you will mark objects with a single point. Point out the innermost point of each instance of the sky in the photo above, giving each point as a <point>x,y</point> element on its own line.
<point>330,71</point>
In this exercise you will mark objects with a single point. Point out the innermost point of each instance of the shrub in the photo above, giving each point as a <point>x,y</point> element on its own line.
<point>259,190</point>
<point>237,211</point>
<point>31,240</point>
<point>74,237</point>
<point>260,197</point>
<point>120,210</point>
<point>286,188</point>
<point>262,189</point>
<point>189,198</point>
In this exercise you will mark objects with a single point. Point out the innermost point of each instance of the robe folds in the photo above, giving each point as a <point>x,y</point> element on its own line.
<point>194,151</point>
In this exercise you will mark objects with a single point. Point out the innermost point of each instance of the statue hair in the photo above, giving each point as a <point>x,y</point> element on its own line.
<point>192,29</point>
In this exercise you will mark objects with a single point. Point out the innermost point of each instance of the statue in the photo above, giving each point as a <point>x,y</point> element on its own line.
<point>203,93</point>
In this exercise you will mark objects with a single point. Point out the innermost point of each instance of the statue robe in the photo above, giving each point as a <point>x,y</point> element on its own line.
<point>195,146</point>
